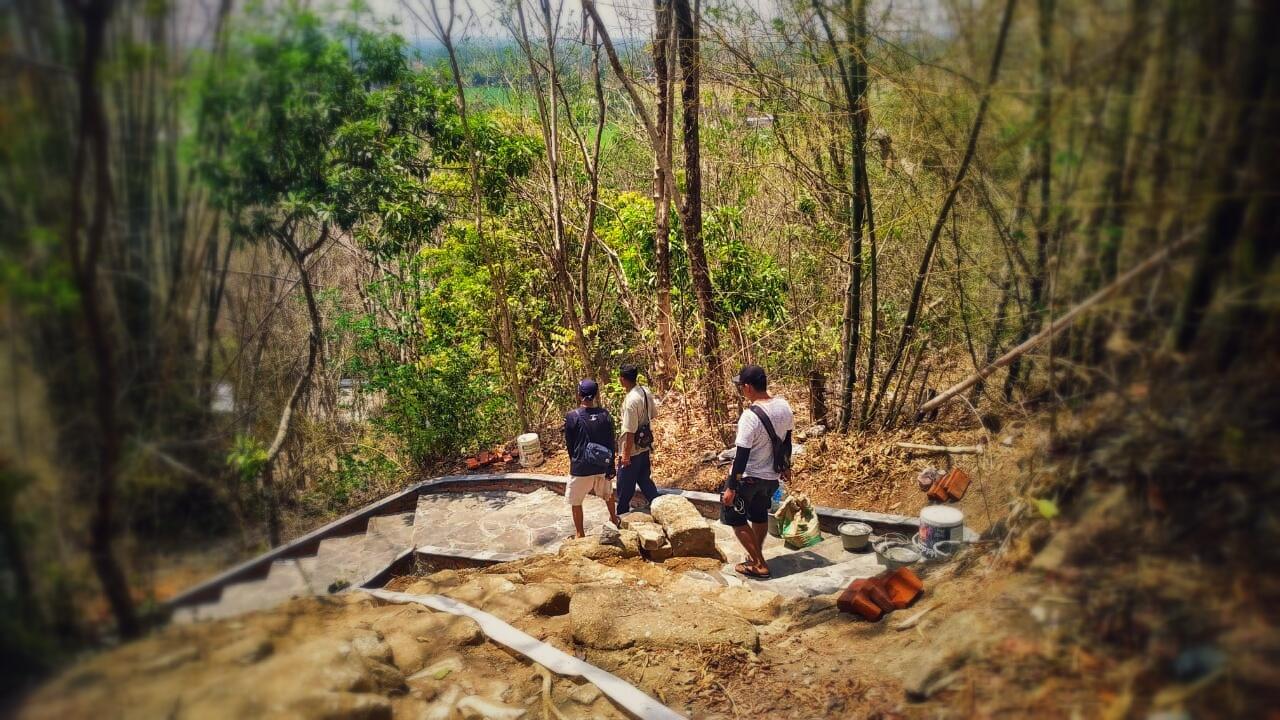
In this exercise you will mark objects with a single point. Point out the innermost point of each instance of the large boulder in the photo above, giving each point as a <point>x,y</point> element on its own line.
<point>686,529</point>
<point>621,616</point>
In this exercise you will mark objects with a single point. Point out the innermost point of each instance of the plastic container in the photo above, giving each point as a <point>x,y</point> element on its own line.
<point>774,528</point>
<point>939,523</point>
<point>530,450</point>
<point>854,535</point>
<point>898,556</point>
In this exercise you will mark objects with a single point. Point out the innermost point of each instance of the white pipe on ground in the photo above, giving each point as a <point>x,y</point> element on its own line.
<point>622,692</point>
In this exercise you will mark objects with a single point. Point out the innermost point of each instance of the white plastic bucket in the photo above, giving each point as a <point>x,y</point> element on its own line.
<point>530,450</point>
<point>939,523</point>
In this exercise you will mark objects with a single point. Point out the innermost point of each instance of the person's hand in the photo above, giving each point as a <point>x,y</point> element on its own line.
<point>727,497</point>
<point>786,475</point>
<point>624,459</point>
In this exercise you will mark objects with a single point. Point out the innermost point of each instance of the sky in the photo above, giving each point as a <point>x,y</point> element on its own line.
<point>624,19</point>
<point>634,18</point>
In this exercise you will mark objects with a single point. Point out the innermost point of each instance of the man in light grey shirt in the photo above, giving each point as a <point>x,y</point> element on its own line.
<point>763,458</point>
<point>634,467</point>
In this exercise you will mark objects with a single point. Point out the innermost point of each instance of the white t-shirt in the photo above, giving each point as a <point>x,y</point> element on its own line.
<point>638,407</point>
<point>751,434</point>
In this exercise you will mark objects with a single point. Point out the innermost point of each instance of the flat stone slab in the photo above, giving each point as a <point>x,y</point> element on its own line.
<point>822,569</point>
<point>501,523</point>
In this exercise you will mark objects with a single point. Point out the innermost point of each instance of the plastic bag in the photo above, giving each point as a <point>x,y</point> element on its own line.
<point>798,522</point>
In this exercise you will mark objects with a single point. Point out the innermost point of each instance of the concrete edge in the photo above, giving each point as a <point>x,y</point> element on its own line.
<point>488,557</point>
<point>211,589</point>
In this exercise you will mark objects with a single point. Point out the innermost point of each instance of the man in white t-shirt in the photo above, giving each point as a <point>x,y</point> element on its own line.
<point>634,453</point>
<point>755,474</point>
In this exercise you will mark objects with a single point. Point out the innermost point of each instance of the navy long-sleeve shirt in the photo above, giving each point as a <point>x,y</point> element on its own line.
<point>584,424</point>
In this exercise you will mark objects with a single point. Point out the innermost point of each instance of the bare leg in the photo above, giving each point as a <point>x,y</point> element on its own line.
<point>760,530</point>
<point>611,503</point>
<point>755,559</point>
<point>577,521</point>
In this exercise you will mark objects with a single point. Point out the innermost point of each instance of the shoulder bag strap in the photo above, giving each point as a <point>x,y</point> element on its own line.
<point>584,433</point>
<point>768,425</point>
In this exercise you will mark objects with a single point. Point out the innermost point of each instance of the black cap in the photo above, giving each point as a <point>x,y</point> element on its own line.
<point>752,375</point>
<point>588,388</point>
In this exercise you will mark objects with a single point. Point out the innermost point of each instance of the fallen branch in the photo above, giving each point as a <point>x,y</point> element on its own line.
<point>952,450</point>
<point>1057,325</point>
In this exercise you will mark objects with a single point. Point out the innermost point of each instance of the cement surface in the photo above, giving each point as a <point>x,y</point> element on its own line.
<point>506,525</point>
<point>501,521</point>
<point>821,569</point>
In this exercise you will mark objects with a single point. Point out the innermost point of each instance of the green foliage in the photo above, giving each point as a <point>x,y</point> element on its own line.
<point>247,457</point>
<point>746,280</point>
<point>359,470</point>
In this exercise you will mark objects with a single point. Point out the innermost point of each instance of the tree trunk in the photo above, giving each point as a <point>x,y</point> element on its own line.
<point>817,397</point>
<point>315,345</point>
<point>1238,119</point>
<point>855,98</point>
<point>1043,149</point>
<point>93,133</point>
<point>668,368</point>
<point>691,210</point>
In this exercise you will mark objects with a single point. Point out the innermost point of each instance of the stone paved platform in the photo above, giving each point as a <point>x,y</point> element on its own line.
<point>500,521</point>
<point>502,525</point>
<point>822,569</point>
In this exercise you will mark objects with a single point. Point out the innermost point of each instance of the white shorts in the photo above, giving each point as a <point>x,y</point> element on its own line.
<point>578,488</point>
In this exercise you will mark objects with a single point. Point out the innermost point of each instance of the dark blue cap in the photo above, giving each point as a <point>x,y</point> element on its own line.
<point>752,375</point>
<point>588,388</point>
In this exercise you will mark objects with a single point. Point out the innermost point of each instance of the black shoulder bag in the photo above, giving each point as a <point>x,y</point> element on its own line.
<point>781,447</point>
<point>644,431</point>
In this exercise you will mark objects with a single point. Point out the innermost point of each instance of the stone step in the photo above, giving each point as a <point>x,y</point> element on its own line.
<point>352,559</point>
<point>287,579</point>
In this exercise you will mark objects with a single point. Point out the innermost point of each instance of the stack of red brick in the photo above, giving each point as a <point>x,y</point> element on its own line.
<point>485,457</point>
<point>873,597</point>
<point>950,487</point>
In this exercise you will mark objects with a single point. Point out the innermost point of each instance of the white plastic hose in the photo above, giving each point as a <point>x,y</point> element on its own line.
<point>619,690</point>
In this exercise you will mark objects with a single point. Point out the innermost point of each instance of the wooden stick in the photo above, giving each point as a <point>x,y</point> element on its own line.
<point>953,450</point>
<point>1144,267</point>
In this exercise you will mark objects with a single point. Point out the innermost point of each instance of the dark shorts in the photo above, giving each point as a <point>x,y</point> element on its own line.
<point>751,502</point>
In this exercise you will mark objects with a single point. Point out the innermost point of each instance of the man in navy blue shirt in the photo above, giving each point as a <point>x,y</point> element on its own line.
<point>588,438</point>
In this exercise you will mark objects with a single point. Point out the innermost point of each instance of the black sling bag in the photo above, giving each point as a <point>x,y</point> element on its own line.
<point>781,447</point>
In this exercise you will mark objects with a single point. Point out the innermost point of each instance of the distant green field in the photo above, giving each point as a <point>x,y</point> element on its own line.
<point>495,96</point>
